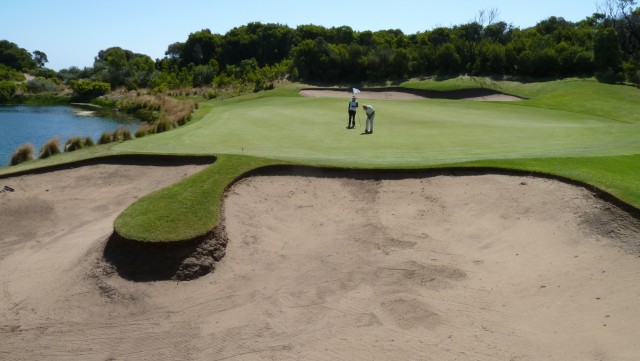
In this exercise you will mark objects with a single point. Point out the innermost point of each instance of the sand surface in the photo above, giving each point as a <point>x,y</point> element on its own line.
<point>487,267</point>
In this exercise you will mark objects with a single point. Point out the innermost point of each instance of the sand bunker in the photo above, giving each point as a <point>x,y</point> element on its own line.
<point>488,267</point>
<point>408,94</point>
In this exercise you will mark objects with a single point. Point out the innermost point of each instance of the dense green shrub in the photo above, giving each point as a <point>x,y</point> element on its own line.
<point>7,73</point>
<point>15,57</point>
<point>23,154</point>
<point>47,74</point>
<point>7,90</point>
<point>41,85</point>
<point>632,71</point>
<point>86,89</point>
<point>142,111</point>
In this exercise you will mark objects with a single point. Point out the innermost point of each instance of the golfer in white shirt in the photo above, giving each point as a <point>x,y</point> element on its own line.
<point>371,113</point>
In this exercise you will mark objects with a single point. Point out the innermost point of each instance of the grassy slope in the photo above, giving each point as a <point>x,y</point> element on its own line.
<point>415,133</point>
<point>584,96</point>
<point>581,130</point>
<point>191,206</point>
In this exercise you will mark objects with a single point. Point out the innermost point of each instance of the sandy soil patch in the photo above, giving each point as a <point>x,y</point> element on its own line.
<point>400,95</point>
<point>487,267</point>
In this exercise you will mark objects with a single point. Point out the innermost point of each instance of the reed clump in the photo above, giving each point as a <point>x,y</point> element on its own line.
<point>76,143</point>
<point>144,130</point>
<point>106,137</point>
<point>22,154</point>
<point>161,110</point>
<point>163,126</point>
<point>49,148</point>
<point>121,134</point>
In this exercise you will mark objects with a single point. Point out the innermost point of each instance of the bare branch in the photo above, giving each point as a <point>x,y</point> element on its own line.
<point>487,17</point>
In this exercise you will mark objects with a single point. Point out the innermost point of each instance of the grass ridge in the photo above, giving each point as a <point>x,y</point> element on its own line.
<point>143,222</point>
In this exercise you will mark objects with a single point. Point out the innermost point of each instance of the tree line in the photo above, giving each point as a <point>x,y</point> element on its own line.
<point>605,45</point>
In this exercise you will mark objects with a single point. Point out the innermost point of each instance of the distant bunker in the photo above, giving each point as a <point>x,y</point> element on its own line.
<point>397,93</point>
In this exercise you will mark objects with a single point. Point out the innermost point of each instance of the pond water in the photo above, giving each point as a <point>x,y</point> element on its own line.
<point>23,124</point>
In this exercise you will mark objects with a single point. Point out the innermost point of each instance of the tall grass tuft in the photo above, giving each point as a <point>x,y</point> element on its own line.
<point>49,148</point>
<point>145,129</point>
<point>121,134</point>
<point>23,154</point>
<point>156,108</point>
<point>105,138</point>
<point>163,126</point>
<point>74,143</point>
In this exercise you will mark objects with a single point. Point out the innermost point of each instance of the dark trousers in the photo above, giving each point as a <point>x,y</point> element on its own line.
<point>352,117</point>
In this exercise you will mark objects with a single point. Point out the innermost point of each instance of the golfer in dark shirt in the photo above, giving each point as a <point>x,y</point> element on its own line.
<point>353,107</point>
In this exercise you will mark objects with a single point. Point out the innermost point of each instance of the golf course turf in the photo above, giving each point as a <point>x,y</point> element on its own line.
<point>576,129</point>
<point>595,146</point>
<point>443,235</point>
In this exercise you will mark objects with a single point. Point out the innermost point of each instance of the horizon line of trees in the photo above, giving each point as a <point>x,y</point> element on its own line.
<point>605,45</point>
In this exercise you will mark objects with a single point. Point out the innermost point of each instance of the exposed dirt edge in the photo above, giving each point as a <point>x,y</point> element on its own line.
<point>193,258</point>
<point>185,260</point>
<point>124,159</point>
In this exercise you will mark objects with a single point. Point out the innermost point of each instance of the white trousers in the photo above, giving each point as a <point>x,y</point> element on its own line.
<point>368,126</point>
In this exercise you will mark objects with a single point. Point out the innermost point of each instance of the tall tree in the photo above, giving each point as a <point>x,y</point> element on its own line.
<point>40,58</point>
<point>606,50</point>
<point>201,47</point>
<point>15,57</point>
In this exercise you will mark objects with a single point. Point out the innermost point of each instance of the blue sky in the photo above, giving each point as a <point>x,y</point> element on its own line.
<point>72,32</point>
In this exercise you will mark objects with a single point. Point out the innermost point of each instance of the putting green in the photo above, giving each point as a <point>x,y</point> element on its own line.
<point>409,133</point>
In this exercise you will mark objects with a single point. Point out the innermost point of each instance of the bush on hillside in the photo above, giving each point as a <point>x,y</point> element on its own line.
<point>7,73</point>
<point>41,85</point>
<point>86,89</point>
<point>7,90</point>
